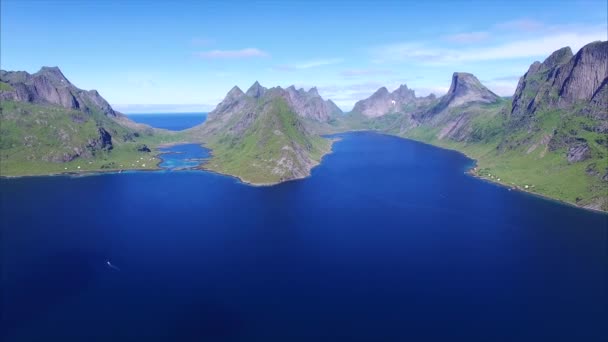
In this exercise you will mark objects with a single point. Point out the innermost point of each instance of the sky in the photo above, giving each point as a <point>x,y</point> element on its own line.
<point>161,56</point>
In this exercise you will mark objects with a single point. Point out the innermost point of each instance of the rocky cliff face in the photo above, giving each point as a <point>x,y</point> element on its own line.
<point>564,80</point>
<point>307,104</point>
<point>50,86</point>
<point>310,104</point>
<point>465,89</point>
<point>383,102</point>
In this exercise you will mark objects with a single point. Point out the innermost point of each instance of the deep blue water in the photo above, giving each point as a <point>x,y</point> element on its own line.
<point>389,240</point>
<point>170,121</point>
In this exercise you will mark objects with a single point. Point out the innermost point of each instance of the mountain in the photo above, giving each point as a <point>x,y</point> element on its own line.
<point>549,138</point>
<point>465,89</point>
<point>383,102</point>
<point>48,125</point>
<point>564,80</point>
<point>50,86</point>
<point>261,135</point>
<point>309,104</point>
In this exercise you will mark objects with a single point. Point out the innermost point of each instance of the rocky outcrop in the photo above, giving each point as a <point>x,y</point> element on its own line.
<point>50,86</point>
<point>307,104</point>
<point>584,75</point>
<point>256,90</point>
<point>563,80</point>
<point>465,89</point>
<point>383,102</point>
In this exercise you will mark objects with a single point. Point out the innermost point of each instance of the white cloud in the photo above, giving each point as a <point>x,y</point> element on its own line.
<point>467,37</point>
<point>309,64</point>
<point>541,46</point>
<point>502,88</point>
<point>232,54</point>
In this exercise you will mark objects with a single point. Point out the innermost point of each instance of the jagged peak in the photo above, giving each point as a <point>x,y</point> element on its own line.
<point>256,90</point>
<point>234,92</point>
<point>460,79</point>
<point>404,91</point>
<point>313,91</point>
<point>381,91</point>
<point>466,88</point>
<point>54,73</point>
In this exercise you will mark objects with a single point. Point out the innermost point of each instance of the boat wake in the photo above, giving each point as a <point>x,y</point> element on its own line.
<point>112,266</point>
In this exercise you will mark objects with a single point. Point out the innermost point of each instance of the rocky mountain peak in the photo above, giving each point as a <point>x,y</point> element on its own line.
<point>313,91</point>
<point>384,102</point>
<point>234,93</point>
<point>256,90</point>
<point>54,75</point>
<point>50,86</point>
<point>381,92</point>
<point>465,89</point>
<point>403,93</point>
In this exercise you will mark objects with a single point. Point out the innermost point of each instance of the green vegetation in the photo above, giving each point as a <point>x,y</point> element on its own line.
<point>523,158</point>
<point>273,148</point>
<point>38,140</point>
<point>5,86</point>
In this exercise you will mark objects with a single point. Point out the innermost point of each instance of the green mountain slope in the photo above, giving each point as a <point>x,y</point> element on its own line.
<point>549,139</point>
<point>260,139</point>
<point>47,125</point>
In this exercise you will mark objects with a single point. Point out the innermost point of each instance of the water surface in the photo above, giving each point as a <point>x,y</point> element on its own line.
<point>170,121</point>
<point>183,157</point>
<point>388,240</point>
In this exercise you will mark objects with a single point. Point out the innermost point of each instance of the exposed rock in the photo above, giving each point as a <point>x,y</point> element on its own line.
<point>383,102</point>
<point>103,142</point>
<point>307,104</point>
<point>143,148</point>
<point>583,75</point>
<point>578,152</point>
<point>562,80</point>
<point>256,90</point>
<point>50,86</point>
<point>310,104</point>
<point>465,89</point>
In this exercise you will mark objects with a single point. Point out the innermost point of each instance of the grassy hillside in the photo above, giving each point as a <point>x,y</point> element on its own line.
<point>38,140</point>
<point>275,146</point>
<point>529,159</point>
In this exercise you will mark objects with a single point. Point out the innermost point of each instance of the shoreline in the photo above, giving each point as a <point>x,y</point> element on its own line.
<point>471,171</point>
<point>248,183</point>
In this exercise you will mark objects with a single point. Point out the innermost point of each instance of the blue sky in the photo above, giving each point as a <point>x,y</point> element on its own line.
<point>160,56</point>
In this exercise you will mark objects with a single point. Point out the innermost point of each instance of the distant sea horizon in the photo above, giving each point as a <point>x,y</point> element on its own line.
<point>171,121</point>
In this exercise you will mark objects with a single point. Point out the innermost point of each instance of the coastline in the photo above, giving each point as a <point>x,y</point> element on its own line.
<point>471,171</point>
<point>250,183</point>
